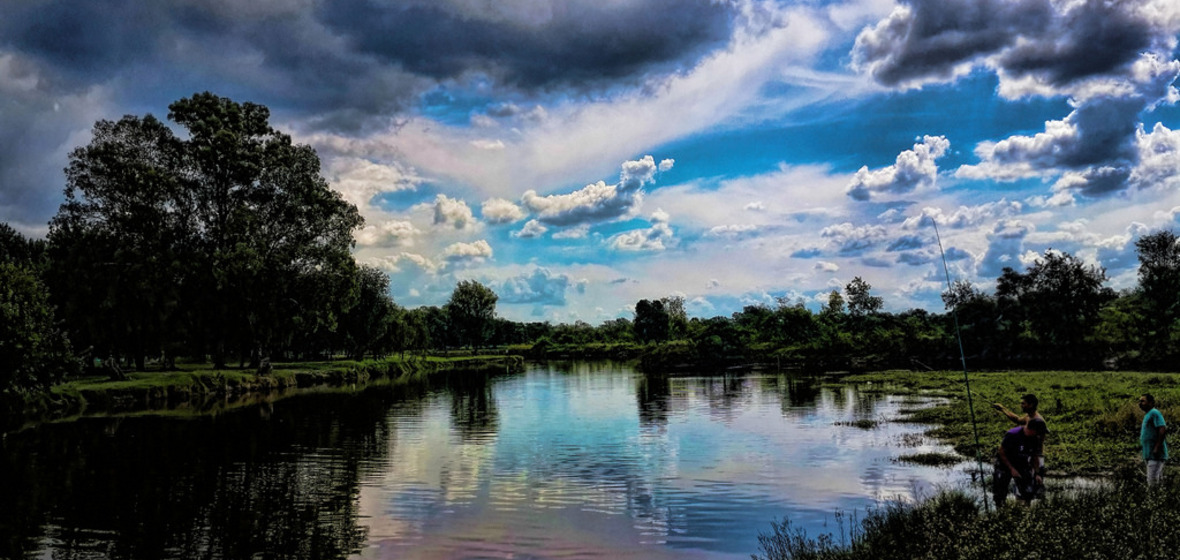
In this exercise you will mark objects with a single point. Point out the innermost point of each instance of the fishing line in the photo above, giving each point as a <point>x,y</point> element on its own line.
<point>963,358</point>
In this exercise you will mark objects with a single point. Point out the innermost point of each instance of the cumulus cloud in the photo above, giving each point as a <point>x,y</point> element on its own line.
<point>807,253</point>
<point>400,262</point>
<point>596,202</point>
<point>909,242</point>
<point>539,287</point>
<point>732,231</point>
<point>656,238</point>
<point>1005,246</point>
<point>853,240</point>
<point>756,206</point>
<point>924,41</point>
<point>532,229</point>
<point>576,232</point>
<point>360,179</point>
<point>825,266</point>
<point>965,216</point>
<point>914,169</point>
<point>1041,48</point>
<point>500,211</point>
<point>477,251</point>
<point>452,212</point>
<point>391,233</point>
<point>1159,158</point>
<point>666,164</point>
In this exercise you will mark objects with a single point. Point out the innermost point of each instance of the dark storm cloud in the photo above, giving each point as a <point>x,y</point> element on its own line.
<point>533,44</point>
<point>932,39</point>
<point>342,66</point>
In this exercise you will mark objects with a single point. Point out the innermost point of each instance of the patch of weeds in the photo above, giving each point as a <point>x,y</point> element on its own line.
<point>863,423</point>
<point>931,459</point>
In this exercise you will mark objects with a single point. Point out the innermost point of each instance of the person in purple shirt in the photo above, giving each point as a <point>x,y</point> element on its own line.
<point>1017,461</point>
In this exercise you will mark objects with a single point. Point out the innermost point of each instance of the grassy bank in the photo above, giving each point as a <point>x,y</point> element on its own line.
<point>1093,416</point>
<point>199,386</point>
<point>1120,520</point>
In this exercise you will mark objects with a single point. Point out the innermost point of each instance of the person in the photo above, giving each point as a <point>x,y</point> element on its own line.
<point>1016,461</point>
<point>1028,405</point>
<point>1152,436</point>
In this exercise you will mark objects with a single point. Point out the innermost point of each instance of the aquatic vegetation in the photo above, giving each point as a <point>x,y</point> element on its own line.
<point>1122,519</point>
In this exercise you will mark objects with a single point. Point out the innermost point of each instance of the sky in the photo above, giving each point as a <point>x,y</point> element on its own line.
<point>577,156</point>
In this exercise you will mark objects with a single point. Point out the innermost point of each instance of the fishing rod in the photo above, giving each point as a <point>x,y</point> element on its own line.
<point>963,359</point>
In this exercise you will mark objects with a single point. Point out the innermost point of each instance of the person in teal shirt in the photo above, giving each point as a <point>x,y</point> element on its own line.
<point>1151,437</point>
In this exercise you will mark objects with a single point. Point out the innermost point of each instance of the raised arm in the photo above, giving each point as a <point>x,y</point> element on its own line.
<point>1018,420</point>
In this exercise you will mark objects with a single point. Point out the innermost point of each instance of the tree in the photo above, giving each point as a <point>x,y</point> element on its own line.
<point>677,316</point>
<point>472,309</point>
<point>651,321</point>
<point>367,325</point>
<point>860,300</point>
<point>230,236</point>
<point>1059,299</point>
<point>1159,280</point>
<point>34,354</point>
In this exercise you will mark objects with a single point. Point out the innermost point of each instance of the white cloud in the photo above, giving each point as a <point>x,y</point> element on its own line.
<point>756,206</point>
<point>666,164</point>
<point>656,238</point>
<point>390,233</point>
<point>914,169</point>
<point>852,239</point>
<point>540,287</point>
<point>596,202</point>
<point>576,232</point>
<point>500,211</point>
<point>532,229</point>
<point>452,212</point>
<point>825,266</point>
<point>478,251</point>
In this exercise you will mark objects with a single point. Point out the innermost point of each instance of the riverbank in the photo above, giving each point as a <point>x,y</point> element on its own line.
<point>194,388</point>
<point>1093,417</point>
<point>1123,519</point>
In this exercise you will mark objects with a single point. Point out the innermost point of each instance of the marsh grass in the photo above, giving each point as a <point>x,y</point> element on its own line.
<point>1093,418</point>
<point>932,459</point>
<point>862,423</point>
<point>1121,519</point>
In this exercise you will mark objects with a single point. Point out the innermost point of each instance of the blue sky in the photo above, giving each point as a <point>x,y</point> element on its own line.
<point>577,155</point>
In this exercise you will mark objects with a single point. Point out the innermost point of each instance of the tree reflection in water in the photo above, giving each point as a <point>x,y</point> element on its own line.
<point>281,482</point>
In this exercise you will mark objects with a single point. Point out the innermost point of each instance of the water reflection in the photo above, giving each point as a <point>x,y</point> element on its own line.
<point>573,460</point>
<point>277,482</point>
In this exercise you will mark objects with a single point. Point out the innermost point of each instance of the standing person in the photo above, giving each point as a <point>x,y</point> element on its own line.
<point>1016,460</point>
<point>1151,438</point>
<point>1028,405</point>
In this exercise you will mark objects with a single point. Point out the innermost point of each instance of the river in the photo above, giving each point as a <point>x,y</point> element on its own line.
<point>570,460</point>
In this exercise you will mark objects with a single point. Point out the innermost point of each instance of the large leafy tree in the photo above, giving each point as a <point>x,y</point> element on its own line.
<point>1159,281</point>
<point>1055,303</point>
<point>472,312</point>
<point>229,238</point>
<point>861,301</point>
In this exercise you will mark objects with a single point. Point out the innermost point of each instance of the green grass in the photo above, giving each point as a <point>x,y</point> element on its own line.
<point>1120,520</point>
<point>1093,417</point>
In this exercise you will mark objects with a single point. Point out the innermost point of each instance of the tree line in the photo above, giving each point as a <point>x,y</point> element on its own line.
<point>227,245</point>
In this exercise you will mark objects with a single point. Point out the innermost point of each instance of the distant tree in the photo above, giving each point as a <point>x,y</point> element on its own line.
<point>1159,280</point>
<point>835,305</point>
<point>860,299</point>
<point>1059,299</point>
<point>369,322</point>
<point>34,354</point>
<point>472,310</point>
<point>20,250</point>
<point>677,316</point>
<point>651,321</point>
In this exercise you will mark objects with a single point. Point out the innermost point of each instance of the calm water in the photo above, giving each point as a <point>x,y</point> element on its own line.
<point>583,460</point>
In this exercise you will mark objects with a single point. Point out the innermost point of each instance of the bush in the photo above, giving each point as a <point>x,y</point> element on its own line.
<point>34,354</point>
